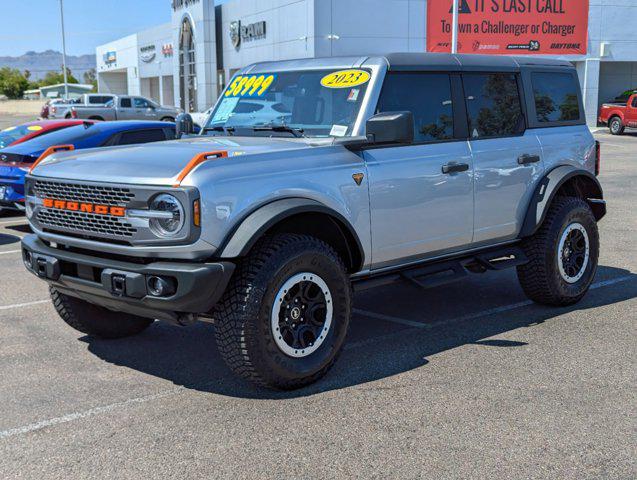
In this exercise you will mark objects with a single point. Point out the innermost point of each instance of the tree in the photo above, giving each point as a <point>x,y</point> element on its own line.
<point>12,82</point>
<point>90,78</point>
<point>55,78</point>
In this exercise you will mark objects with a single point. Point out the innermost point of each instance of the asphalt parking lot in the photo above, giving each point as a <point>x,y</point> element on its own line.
<point>469,380</point>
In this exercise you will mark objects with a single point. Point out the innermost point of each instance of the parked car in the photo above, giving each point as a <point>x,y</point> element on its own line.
<point>200,118</point>
<point>126,108</point>
<point>417,167</point>
<point>27,131</point>
<point>619,116</point>
<point>62,109</point>
<point>16,161</point>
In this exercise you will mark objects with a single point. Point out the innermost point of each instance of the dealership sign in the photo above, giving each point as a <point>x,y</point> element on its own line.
<point>556,27</point>
<point>177,4</point>
<point>109,58</point>
<point>148,53</point>
<point>246,33</point>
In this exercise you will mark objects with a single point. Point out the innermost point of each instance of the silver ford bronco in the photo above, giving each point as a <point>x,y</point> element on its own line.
<point>315,178</point>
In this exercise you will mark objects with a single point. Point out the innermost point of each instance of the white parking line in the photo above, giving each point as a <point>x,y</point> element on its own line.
<point>10,251</point>
<point>137,400</point>
<point>87,413</point>
<point>21,305</point>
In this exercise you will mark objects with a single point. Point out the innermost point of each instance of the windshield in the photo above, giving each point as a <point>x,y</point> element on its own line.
<point>315,103</point>
<point>13,134</point>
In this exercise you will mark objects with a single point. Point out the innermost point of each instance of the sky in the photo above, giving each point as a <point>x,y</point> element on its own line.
<point>89,23</point>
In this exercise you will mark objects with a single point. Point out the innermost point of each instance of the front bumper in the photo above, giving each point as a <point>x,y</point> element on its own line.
<point>123,286</point>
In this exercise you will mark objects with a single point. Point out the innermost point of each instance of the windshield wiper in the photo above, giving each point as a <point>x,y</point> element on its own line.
<point>297,132</point>
<point>220,128</point>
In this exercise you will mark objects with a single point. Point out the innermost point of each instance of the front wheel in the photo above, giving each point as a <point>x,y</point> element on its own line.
<point>96,321</point>
<point>284,318</point>
<point>616,127</point>
<point>563,254</point>
<point>168,119</point>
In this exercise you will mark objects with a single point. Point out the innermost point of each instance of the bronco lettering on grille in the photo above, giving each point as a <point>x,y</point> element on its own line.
<point>84,207</point>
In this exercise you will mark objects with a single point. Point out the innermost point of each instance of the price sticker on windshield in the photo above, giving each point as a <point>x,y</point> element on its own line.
<point>250,86</point>
<point>345,79</point>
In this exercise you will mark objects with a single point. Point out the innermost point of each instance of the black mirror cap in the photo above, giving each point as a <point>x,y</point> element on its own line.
<point>391,127</point>
<point>185,125</point>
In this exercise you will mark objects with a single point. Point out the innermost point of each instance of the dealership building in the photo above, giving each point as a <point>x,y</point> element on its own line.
<point>188,61</point>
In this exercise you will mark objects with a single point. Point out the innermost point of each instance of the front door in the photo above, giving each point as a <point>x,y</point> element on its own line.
<point>631,112</point>
<point>421,195</point>
<point>507,159</point>
<point>144,110</point>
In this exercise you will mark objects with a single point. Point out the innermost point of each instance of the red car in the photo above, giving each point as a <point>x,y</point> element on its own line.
<point>619,115</point>
<point>27,131</point>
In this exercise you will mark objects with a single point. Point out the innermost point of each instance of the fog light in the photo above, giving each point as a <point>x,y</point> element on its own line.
<point>160,287</point>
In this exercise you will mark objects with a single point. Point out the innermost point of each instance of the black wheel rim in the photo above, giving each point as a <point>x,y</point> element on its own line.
<point>302,315</point>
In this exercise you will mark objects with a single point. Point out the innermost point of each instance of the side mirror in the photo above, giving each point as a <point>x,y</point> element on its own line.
<point>391,127</point>
<point>185,125</point>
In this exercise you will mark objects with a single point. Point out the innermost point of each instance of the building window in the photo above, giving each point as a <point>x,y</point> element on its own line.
<point>187,68</point>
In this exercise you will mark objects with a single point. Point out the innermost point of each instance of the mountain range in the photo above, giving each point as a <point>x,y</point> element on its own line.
<point>39,63</point>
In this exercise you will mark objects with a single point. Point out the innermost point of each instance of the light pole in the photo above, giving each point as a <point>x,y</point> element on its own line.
<point>454,27</point>
<point>66,80</point>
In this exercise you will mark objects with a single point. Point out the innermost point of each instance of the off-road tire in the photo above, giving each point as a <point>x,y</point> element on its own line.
<point>96,321</point>
<point>243,317</point>
<point>540,278</point>
<point>615,126</point>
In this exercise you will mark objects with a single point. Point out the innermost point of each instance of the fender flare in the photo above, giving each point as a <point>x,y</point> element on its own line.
<point>251,228</point>
<point>546,191</point>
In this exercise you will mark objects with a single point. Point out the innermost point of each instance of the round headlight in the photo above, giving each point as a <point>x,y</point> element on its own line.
<point>169,224</point>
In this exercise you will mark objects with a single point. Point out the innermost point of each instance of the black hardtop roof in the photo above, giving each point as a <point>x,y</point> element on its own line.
<point>459,62</point>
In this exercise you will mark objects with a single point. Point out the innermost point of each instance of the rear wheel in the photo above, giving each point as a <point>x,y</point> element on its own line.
<point>615,125</point>
<point>283,320</point>
<point>96,321</point>
<point>563,254</point>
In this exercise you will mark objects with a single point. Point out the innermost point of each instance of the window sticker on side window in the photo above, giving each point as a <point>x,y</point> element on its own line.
<point>225,109</point>
<point>250,85</point>
<point>345,79</point>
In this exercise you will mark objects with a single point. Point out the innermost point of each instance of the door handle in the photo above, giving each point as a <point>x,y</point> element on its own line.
<point>526,159</point>
<point>455,168</point>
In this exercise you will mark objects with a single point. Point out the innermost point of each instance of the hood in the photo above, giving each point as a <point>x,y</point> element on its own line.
<point>156,163</point>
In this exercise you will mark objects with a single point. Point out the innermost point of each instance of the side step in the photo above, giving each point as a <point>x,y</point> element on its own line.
<point>440,273</point>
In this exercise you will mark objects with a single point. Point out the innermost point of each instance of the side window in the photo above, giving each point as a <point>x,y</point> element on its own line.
<point>142,136</point>
<point>141,103</point>
<point>427,96</point>
<point>126,103</point>
<point>555,97</point>
<point>493,105</point>
<point>635,101</point>
<point>98,99</point>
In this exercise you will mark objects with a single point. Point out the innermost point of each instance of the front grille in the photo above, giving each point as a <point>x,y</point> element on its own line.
<point>87,225</point>
<point>85,222</point>
<point>97,194</point>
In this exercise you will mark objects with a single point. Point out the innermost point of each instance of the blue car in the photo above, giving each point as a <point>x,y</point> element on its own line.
<point>16,161</point>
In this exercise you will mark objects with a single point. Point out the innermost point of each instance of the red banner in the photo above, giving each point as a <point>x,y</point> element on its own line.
<point>514,27</point>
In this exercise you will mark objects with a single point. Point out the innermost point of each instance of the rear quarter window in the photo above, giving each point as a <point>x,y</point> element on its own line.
<point>556,97</point>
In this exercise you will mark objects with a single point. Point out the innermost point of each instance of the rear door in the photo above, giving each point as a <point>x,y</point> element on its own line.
<point>421,195</point>
<point>507,158</point>
<point>125,110</point>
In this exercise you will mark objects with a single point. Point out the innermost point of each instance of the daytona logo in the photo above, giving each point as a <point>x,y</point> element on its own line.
<point>84,207</point>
